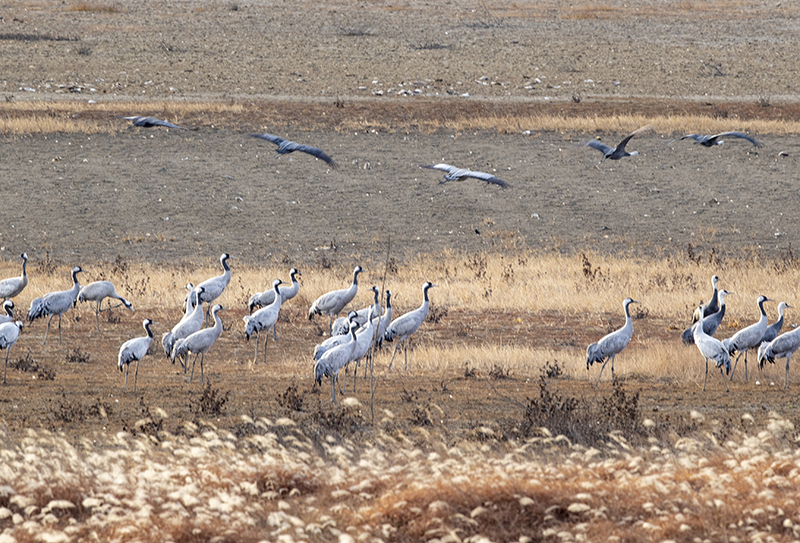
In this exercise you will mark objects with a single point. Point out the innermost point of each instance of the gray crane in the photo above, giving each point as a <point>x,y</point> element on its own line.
<point>386,318</point>
<point>150,122</point>
<point>775,328</point>
<point>264,319</point>
<point>454,173</point>
<point>99,291</point>
<point>189,299</point>
<point>12,286</point>
<point>213,288</point>
<point>341,326</point>
<point>263,299</point>
<point>618,152</point>
<point>782,346</point>
<point>710,323</point>
<point>335,359</point>
<point>55,303</point>
<point>135,349</point>
<point>611,344</point>
<point>333,341</point>
<point>287,146</point>
<point>748,338</point>
<point>365,338</point>
<point>403,326</point>
<point>187,326</point>
<point>333,302</point>
<point>200,342</point>
<point>712,140</point>
<point>189,305</point>
<point>713,304</point>
<point>712,348</point>
<point>9,333</point>
<point>8,307</point>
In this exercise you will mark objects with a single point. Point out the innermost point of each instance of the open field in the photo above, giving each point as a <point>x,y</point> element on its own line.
<point>494,433</point>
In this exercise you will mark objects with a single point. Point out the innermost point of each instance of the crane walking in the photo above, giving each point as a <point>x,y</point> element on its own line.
<point>748,338</point>
<point>712,348</point>
<point>55,303</point>
<point>611,344</point>
<point>135,349</point>
<point>405,325</point>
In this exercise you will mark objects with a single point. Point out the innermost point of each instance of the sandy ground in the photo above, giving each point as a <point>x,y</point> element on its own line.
<point>171,196</point>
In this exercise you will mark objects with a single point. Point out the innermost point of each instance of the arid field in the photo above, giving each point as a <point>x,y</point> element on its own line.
<point>494,432</point>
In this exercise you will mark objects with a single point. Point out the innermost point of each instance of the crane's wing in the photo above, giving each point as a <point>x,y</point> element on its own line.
<point>149,122</point>
<point>627,138</point>
<point>443,167</point>
<point>696,137</point>
<point>599,145</point>
<point>269,137</point>
<point>317,153</point>
<point>740,135</point>
<point>489,178</point>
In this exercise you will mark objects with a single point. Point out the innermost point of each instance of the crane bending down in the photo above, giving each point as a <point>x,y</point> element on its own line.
<point>341,326</point>
<point>405,325</point>
<point>618,152</point>
<point>263,299</point>
<point>8,307</point>
<point>288,146</point>
<point>55,303</point>
<point>748,338</point>
<point>453,173</point>
<point>135,349</point>
<point>200,342</point>
<point>335,359</point>
<point>9,333</point>
<point>782,346</point>
<point>712,348</point>
<point>214,287</point>
<point>713,304</point>
<point>99,291</point>
<point>150,122</point>
<point>710,323</point>
<point>775,328</point>
<point>611,344</point>
<point>14,285</point>
<point>264,319</point>
<point>712,140</point>
<point>333,302</point>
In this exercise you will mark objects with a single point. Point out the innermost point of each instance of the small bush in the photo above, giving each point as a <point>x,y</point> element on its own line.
<point>212,401</point>
<point>77,356</point>
<point>291,399</point>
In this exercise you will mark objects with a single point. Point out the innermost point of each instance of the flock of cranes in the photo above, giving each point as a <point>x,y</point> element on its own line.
<point>759,336</point>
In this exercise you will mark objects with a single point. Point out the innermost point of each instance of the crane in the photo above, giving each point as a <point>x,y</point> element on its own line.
<point>748,338</point>
<point>55,303</point>
<point>12,286</point>
<point>453,173</point>
<point>611,344</point>
<point>264,319</point>
<point>618,152</point>
<point>263,299</point>
<point>200,342</point>
<point>135,349</point>
<point>187,326</point>
<point>712,348</point>
<point>99,291</point>
<point>335,359</point>
<point>9,333</point>
<point>150,122</point>
<point>775,328</point>
<point>8,307</point>
<point>213,287</point>
<point>341,326</point>
<point>710,323</point>
<point>713,304</point>
<point>712,140</point>
<point>782,346</point>
<point>403,326</point>
<point>287,146</point>
<point>332,303</point>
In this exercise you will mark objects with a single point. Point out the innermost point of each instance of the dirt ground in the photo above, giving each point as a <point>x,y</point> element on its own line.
<point>184,197</point>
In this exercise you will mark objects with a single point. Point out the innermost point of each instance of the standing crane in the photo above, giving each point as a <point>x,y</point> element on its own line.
<point>712,348</point>
<point>213,288</point>
<point>9,333</point>
<point>55,303</point>
<point>710,323</point>
<point>200,342</point>
<point>611,344</point>
<point>775,328</point>
<point>335,359</point>
<point>332,303</point>
<point>187,326</point>
<point>135,349</point>
<point>263,299</point>
<point>264,319</point>
<point>782,346</point>
<point>386,318</point>
<point>14,285</point>
<point>341,326</point>
<point>748,338</point>
<point>99,291</point>
<point>713,304</point>
<point>405,325</point>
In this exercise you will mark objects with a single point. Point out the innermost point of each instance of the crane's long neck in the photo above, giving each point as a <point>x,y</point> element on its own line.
<point>628,320</point>
<point>147,329</point>
<point>225,266</point>
<point>388,300</point>
<point>217,323</point>
<point>278,298</point>
<point>10,312</point>
<point>355,278</point>
<point>761,307</point>
<point>24,266</point>
<point>198,306</point>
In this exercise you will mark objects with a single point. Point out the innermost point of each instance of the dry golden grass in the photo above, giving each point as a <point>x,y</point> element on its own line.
<point>43,117</point>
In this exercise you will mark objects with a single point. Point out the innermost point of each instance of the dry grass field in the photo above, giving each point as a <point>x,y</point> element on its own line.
<point>495,431</point>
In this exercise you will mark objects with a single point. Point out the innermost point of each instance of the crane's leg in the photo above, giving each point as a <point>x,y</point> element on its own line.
<point>405,350</point>
<point>97,314</point>
<point>344,382</point>
<point>601,372</point>
<point>785,385</point>
<point>125,388</point>
<point>333,388</point>
<point>202,374</point>
<point>255,357</point>
<point>706,377</point>
<point>135,377</point>
<point>355,375</point>
<point>193,362</point>
<point>59,330</point>
<point>393,353</point>
<point>723,379</point>
<point>274,332</point>
<point>745,365</point>
<point>47,330</point>
<point>735,363</point>
<point>613,377</point>
<point>266,338</point>
<point>6,369</point>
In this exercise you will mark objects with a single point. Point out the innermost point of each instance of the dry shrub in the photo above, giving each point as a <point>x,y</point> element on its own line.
<point>211,402</point>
